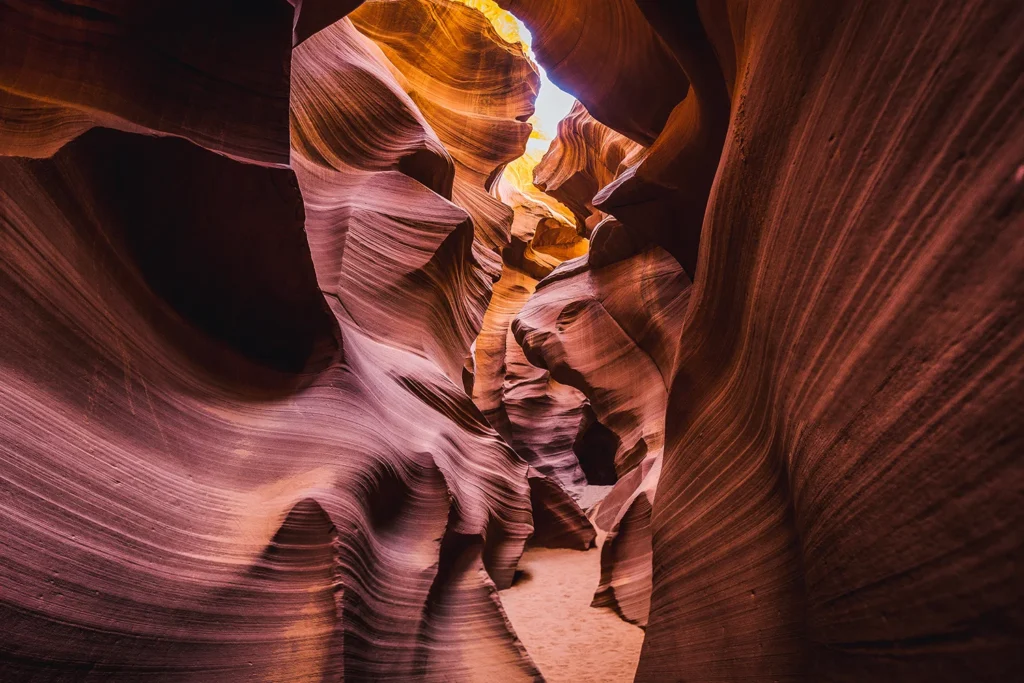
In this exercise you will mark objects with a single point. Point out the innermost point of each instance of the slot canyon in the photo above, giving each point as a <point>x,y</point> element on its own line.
<point>512,340</point>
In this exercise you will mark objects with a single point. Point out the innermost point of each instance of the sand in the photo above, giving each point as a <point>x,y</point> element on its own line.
<point>570,641</point>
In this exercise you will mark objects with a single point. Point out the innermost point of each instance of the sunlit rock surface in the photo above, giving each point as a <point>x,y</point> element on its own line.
<point>605,326</point>
<point>611,332</point>
<point>585,157</point>
<point>538,416</point>
<point>475,90</point>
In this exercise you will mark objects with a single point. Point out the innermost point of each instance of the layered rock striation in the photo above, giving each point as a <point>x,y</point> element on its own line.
<point>585,157</point>
<point>537,415</point>
<point>839,497</point>
<point>611,332</point>
<point>295,359</point>
<point>234,440</point>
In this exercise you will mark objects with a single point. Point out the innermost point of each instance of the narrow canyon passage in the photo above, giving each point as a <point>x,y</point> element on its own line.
<point>566,637</point>
<point>587,341</point>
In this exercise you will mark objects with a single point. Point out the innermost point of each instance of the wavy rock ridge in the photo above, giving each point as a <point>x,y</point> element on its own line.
<point>233,442</point>
<point>839,497</point>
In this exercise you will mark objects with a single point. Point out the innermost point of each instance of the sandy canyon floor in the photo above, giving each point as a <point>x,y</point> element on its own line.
<point>570,641</point>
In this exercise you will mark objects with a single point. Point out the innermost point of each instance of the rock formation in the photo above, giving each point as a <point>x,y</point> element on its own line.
<point>607,54</point>
<point>233,442</point>
<point>840,496</point>
<point>603,329</point>
<point>538,416</point>
<point>611,333</point>
<point>297,356</point>
<point>584,158</point>
<point>475,89</point>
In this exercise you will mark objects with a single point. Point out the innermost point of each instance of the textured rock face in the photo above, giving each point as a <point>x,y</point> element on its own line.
<point>876,348</point>
<point>663,197</point>
<point>213,73</point>
<point>587,353</point>
<point>449,64</point>
<point>840,495</point>
<point>612,333</point>
<point>233,444</point>
<point>584,157</point>
<point>623,520</point>
<point>538,416</point>
<point>291,370</point>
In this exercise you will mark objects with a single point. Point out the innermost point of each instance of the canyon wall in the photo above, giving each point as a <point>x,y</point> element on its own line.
<point>840,497</point>
<point>235,443</point>
<point>538,416</point>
